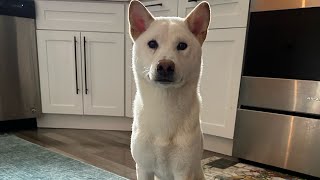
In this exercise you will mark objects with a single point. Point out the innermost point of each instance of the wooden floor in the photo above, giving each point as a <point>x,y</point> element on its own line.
<point>108,150</point>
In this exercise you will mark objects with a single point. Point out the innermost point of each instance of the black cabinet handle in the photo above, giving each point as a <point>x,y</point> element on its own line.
<point>151,5</point>
<point>85,65</point>
<point>76,63</point>
<point>192,0</point>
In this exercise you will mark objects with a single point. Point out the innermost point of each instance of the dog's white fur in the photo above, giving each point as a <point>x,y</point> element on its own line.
<point>166,137</point>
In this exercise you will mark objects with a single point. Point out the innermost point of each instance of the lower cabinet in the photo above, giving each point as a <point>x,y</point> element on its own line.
<point>222,64</point>
<point>81,72</point>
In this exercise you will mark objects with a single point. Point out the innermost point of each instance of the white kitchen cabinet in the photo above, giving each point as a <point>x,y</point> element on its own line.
<point>97,73</point>
<point>103,70</point>
<point>222,64</point>
<point>81,47</point>
<point>59,61</point>
<point>224,13</point>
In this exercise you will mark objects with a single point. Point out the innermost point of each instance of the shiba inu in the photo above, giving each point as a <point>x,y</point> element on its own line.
<point>166,140</point>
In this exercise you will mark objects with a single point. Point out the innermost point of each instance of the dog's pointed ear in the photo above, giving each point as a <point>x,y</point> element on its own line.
<point>198,21</point>
<point>139,19</point>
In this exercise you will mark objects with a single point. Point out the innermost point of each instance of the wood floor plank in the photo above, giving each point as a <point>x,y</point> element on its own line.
<point>121,156</point>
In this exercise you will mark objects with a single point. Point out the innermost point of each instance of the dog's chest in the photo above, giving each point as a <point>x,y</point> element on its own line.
<point>146,148</point>
<point>155,153</point>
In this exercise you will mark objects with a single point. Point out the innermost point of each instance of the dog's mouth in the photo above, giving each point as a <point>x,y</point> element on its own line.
<point>169,82</point>
<point>164,81</point>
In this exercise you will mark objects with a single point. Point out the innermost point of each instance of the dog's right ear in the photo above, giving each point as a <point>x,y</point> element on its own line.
<point>198,21</point>
<point>139,19</point>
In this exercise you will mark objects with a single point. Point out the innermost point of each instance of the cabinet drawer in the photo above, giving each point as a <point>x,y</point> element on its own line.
<point>225,13</point>
<point>82,16</point>
<point>162,7</point>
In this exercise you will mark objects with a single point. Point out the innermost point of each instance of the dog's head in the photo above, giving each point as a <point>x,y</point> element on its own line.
<point>167,50</point>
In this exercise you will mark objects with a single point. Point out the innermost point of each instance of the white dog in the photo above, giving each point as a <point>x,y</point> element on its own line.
<point>166,140</point>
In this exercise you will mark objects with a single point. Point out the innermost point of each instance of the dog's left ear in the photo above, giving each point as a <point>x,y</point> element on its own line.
<point>139,19</point>
<point>198,21</point>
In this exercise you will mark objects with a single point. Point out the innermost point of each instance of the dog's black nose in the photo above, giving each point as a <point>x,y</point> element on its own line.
<point>165,68</point>
<point>165,71</point>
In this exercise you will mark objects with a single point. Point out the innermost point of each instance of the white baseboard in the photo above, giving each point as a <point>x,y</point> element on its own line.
<point>84,122</point>
<point>218,144</point>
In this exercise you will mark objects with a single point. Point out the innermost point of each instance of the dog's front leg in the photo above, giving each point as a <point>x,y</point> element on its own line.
<point>142,174</point>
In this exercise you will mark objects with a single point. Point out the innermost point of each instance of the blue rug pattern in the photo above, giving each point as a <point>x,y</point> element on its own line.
<point>22,160</point>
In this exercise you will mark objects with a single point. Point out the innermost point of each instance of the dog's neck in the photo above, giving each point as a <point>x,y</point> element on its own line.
<point>168,108</point>
<point>182,97</point>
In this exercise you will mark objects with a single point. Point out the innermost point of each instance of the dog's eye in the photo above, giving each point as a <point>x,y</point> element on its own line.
<point>182,46</point>
<point>153,44</point>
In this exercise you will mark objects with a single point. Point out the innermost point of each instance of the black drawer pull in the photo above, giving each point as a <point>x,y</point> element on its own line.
<point>152,5</point>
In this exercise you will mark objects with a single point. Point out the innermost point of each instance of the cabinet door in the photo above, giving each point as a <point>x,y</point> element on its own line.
<point>59,68</point>
<point>103,69</point>
<point>224,13</point>
<point>220,82</point>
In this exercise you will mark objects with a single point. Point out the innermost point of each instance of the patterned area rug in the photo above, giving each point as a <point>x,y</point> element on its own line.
<point>221,169</point>
<point>22,160</point>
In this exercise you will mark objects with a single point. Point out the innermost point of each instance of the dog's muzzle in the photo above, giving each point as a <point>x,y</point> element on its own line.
<point>165,72</point>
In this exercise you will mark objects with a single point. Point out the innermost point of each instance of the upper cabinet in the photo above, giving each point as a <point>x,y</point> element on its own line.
<point>81,16</point>
<point>224,13</point>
